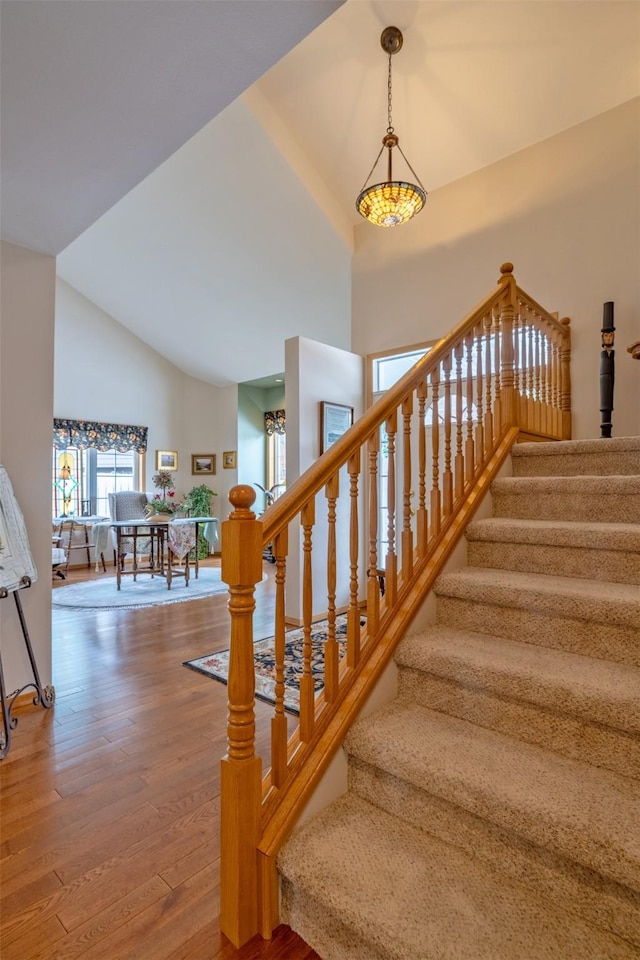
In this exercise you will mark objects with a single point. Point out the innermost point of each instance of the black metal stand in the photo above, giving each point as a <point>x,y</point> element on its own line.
<point>45,696</point>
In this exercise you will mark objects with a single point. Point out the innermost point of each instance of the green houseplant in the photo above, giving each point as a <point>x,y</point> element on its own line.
<point>198,503</point>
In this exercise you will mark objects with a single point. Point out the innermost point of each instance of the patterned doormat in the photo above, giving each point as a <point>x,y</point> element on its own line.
<point>216,665</point>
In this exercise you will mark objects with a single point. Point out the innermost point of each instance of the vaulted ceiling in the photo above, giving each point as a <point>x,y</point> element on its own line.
<point>242,234</point>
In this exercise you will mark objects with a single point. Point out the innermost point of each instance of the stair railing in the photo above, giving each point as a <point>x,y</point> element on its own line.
<point>387,502</point>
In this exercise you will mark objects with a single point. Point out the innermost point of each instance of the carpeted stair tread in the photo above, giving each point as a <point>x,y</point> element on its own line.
<point>622,537</point>
<point>586,600</point>
<point>619,455</point>
<point>611,499</point>
<point>588,815</point>
<point>572,548</point>
<point>596,690</point>
<point>437,902</point>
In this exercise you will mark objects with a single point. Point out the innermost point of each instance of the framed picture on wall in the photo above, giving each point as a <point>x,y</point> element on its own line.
<point>203,463</point>
<point>166,460</point>
<point>229,459</point>
<point>335,419</point>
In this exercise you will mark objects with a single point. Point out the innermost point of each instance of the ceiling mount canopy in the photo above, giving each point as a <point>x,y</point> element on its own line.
<point>394,201</point>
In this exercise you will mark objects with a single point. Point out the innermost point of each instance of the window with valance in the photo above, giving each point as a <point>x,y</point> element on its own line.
<point>92,460</point>
<point>89,434</point>
<point>275,422</point>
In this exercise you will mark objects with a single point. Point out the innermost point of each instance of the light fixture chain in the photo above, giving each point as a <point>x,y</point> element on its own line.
<point>389,123</point>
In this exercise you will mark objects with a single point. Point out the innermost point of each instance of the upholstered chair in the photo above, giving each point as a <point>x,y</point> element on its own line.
<point>129,505</point>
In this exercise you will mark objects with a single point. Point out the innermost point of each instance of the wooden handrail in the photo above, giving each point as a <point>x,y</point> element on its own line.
<point>409,474</point>
<point>286,507</point>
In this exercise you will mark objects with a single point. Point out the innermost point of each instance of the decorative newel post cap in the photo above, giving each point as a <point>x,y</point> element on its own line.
<point>242,496</point>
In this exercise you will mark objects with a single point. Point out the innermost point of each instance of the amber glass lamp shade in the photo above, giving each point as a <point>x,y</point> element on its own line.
<point>389,204</point>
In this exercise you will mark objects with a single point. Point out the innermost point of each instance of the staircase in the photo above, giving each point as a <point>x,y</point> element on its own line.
<point>493,810</point>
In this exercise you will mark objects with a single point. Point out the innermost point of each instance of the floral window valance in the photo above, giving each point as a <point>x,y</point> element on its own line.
<point>275,421</point>
<point>85,434</point>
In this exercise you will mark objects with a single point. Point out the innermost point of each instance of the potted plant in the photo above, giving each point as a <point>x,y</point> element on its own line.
<point>198,503</point>
<point>163,504</point>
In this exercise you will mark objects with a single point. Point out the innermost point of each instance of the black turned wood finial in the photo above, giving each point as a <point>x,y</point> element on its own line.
<point>607,369</point>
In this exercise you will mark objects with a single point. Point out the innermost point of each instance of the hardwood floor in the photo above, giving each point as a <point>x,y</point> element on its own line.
<point>110,800</point>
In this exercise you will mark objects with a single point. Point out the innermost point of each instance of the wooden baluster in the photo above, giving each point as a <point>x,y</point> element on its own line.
<point>546,383</point>
<point>373,586</point>
<point>555,381</point>
<point>422,517</point>
<point>241,769</point>
<point>509,414</point>
<point>407,532</point>
<point>307,692</point>
<point>479,393</point>
<point>497,403</point>
<point>447,477</point>
<point>436,500</point>
<point>353,616</point>
<point>459,462</point>
<point>391,562</point>
<point>469,451</point>
<point>279,721</point>
<point>519,361</point>
<point>488,409</point>
<point>331,652</point>
<point>530,375</point>
<point>565,379</point>
<point>538,375</point>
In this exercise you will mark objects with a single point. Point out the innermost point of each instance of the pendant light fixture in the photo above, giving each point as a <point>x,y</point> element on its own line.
<point>394,201</point>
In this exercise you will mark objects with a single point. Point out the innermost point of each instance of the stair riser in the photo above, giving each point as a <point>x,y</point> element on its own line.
<point>604,641</point>
<point>565,505</point>
<point>610,905</point>
<point>623,463</point>
<point>605,565</point>
<point>328,936</point>
<point>573,736</point>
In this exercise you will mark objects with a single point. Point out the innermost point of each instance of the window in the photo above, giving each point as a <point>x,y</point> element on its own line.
<point>276,459</point>
<point>83,479</point>
<point>388,369</point>
<point>385,371</point>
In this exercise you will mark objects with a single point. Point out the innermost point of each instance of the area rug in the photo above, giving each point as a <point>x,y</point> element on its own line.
<point>216,665</point>
<point>145,591</point>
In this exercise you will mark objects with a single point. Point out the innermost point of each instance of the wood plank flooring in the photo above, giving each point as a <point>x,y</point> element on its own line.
<point>110,800</point>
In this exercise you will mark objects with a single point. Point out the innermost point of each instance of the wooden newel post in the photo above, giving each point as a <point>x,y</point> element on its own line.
<point>241,769</point>
<point>507,314</point>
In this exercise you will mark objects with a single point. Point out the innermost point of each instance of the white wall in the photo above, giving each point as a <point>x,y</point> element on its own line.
<point>252,440</point>
<point>316,372</point>
<point>105,373</point>
<point>26,410</point>
<point>566,212</point>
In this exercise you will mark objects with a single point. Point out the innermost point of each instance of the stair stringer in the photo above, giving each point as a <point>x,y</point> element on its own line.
<point>334,782</point>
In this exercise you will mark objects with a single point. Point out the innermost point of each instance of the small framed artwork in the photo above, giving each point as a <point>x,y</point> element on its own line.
<point>166,460</point>
<point>335,419</point>
<point>229,459</point>
<point>203,463</point>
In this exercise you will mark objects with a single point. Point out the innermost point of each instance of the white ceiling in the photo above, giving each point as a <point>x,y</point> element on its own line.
<point>192,260</point>
<point>96,94</point>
